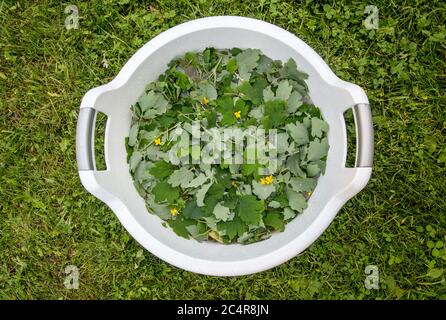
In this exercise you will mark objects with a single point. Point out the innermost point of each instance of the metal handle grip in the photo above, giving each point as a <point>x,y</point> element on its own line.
<point>84,139</point>
<point>364,135</point>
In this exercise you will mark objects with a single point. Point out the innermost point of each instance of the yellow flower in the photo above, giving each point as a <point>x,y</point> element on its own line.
<point>310,193</point>
<point>173,211</point>
<point>205,100</point>
<point>237,114</point>
<point>234,183</point>
<point>267,180</point>
<point>157,141</point>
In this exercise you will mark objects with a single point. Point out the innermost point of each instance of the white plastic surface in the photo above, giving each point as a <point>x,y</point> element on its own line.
<point>114,186</point>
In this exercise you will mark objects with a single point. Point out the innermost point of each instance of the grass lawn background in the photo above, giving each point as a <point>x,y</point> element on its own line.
<point>48,220</point>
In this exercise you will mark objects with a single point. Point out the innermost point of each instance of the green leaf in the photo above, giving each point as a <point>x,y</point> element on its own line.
<point>211,118</point>
<point>318,126</point>
<point>293,164</point>
<point>435,273</point>
<point>268,94</point>
<point>298,132</point>
<point>161,169</point>
<point>181,177</point>
<point>163,191</point>
<point>191,57</point>
<point>148,136</point>
<point>299,86</point>
<point>228,106</point>
<point>275,111</point>
<point>230,200</point>
<point>142,171</point>
<point>206,89</point>
<point>313,169</point>
<point>321,164</point>
<point>154,154</point>
<point>250,209</point>
<point>282,142</point>
<point>290,71</point>
<point>283,90</point>
<point>294,102</point>
<point>288,214</point>
<point>246,62</point>
<point>210,202</point>
<point>262,191</point>
<point>193,211</point>
<point>264,64</point>
<point>256,113</point>
<point>228,119</point>
<point>152,104</point>
<point>194,231</point>
<point>161,210</point>
<point>179,225</point>
<point>253,92</point>
<point>223,177</point>
<point>133,134</point>
<point>282,198</point>
<point>299,184</point>
<point>274,219</point>
<point>231,66</point>
<point>274,204</point>
<point>217,189</point>
<point>198,181</point>
<point>240,105</point>
<point>225,103</point>
<point>296,200</point>
<point>233,228</point>
<point>183,81</point>
<point>134,160</point>
<point>317,149</point>
<point>250,169</point>
<point>202,193</point>
<point>221,212</point>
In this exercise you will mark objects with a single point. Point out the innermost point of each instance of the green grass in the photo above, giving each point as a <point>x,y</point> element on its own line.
<point>48,221</point>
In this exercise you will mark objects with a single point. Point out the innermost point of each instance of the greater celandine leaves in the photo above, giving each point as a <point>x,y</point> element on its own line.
<point>161,169</point>
<point>318,127</point>
<point>221,212</point>
<point>275,220</point>
<point>133,134</point>
<point>262,191</point>
<point>226,88</point>
<point>152,103</point>
<point>299,184</point>
<point>298,132</point>
<point>233,228</point>
<point>193,211</point>
<point>163,191</point>
<point>247,61</point>
<point>181,177</point>
<point>317,149</point>
<point>250,209</point>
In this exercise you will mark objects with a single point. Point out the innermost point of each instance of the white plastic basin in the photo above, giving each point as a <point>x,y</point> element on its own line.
<point>114,186</point>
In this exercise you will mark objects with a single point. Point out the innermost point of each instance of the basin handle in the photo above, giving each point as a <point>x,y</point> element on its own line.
<point>85,139</point>
<point>364,135</point>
